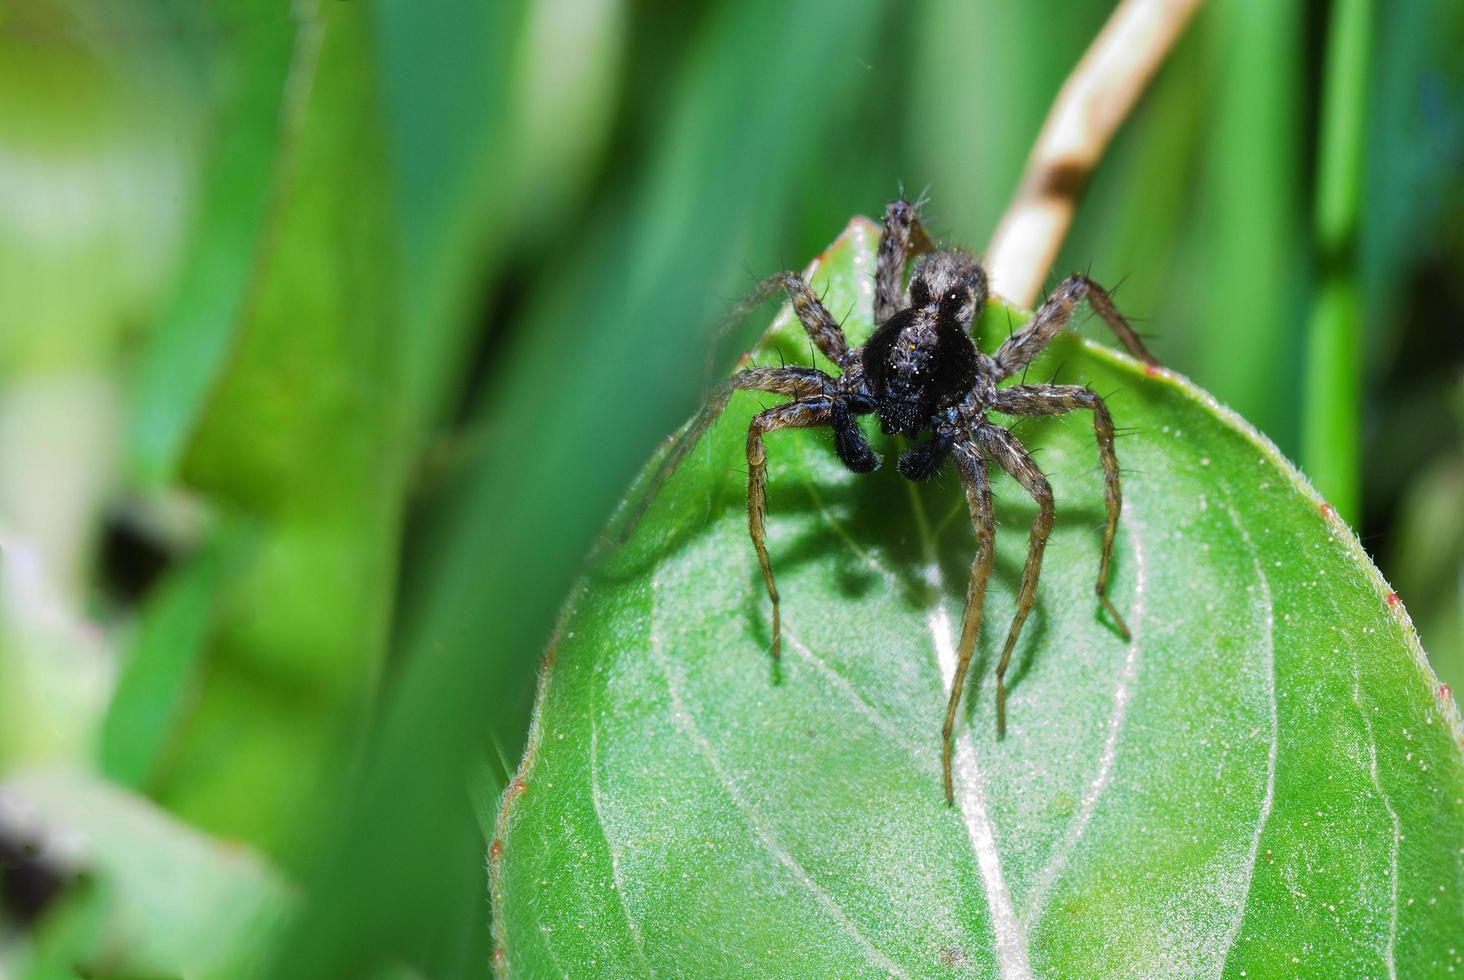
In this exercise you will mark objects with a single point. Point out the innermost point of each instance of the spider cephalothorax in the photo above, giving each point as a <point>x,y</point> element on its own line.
<point>921,359</point>
<point>923,376</point>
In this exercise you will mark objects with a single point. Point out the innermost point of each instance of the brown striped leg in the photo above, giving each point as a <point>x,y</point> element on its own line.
<point>903,235</point>
<point>1055,400</point>
<point>799,382</point>
<point>1054,314</point>
<point>817,322</point>
<point>972,469</point>
<point>998,444</point>
<point>793,415</point>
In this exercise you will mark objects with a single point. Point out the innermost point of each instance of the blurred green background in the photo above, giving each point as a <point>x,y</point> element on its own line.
<point>330,332</point>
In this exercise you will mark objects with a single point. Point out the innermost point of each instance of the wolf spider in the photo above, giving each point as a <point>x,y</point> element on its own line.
<point>920,372</point>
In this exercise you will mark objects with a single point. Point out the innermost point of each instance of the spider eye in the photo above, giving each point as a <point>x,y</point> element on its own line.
<point>953,297</point>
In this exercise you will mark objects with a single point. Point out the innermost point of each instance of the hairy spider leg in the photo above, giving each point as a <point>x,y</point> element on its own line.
<point>791,415</point>
<point>817,322</point>
<point>1000,445</point>
<point>1021,347</point>
<point>1055,400</point>
<point>903,236</point>
<point>978,501</point>
<point>799,382</point>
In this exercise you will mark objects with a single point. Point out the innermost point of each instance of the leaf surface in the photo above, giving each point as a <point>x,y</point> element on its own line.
<point>1266,779</point>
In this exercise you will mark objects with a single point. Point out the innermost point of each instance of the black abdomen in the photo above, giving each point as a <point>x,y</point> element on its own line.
<point>916,363</point>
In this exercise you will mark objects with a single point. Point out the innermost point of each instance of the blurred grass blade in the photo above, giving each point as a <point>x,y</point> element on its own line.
<point>98,143</point>
<point>1332,411</point>
<point>1135,217</point>
<point>161,669</point>
<point>56,670</point>
<point>1249,235</point>
<point>445,75</point>
<point>302,440</point>
<point>497,115</point>
<point>253,47</point>
<point>1000,97</point>
<point>1428,551</point>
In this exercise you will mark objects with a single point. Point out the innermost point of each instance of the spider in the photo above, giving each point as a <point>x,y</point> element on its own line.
<point>920,373</point>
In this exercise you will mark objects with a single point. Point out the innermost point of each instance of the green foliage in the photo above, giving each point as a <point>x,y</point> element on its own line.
<point>218,902</point>
<point>330,332</point>
<point>1266,778</point>
<point>162,668</point>
<point>244,69</point>
<point>99,147</point>
<point>296,652</point>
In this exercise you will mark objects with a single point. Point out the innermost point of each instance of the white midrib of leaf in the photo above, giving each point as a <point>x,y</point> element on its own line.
<point>1006,927</point>
<point>1010,930</point>
<point>1011,935</point>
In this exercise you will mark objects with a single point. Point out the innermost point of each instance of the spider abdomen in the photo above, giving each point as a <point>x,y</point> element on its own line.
<point>917,363</point>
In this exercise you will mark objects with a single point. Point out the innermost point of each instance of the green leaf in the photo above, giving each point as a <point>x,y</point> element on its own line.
<point>301,445</point>
<point>146,894</point>
<point>247,47</point>
<point>1266,779</point>
<point>162,667</point>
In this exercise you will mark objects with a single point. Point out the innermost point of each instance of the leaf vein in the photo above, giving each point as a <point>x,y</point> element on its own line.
<point>1388,951</point>
<point>842,684</point>
<point>879,567</point>
<point>1006,928</point>
<point>1268,657</point>
<point>596,803</point>
<point>684,721</point>
<point>1128,675</point>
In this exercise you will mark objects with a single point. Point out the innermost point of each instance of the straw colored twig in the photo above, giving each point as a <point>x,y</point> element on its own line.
<point>1094,100</point>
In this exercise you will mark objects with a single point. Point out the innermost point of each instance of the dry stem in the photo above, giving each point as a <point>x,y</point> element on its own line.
<point>1094,100</point>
